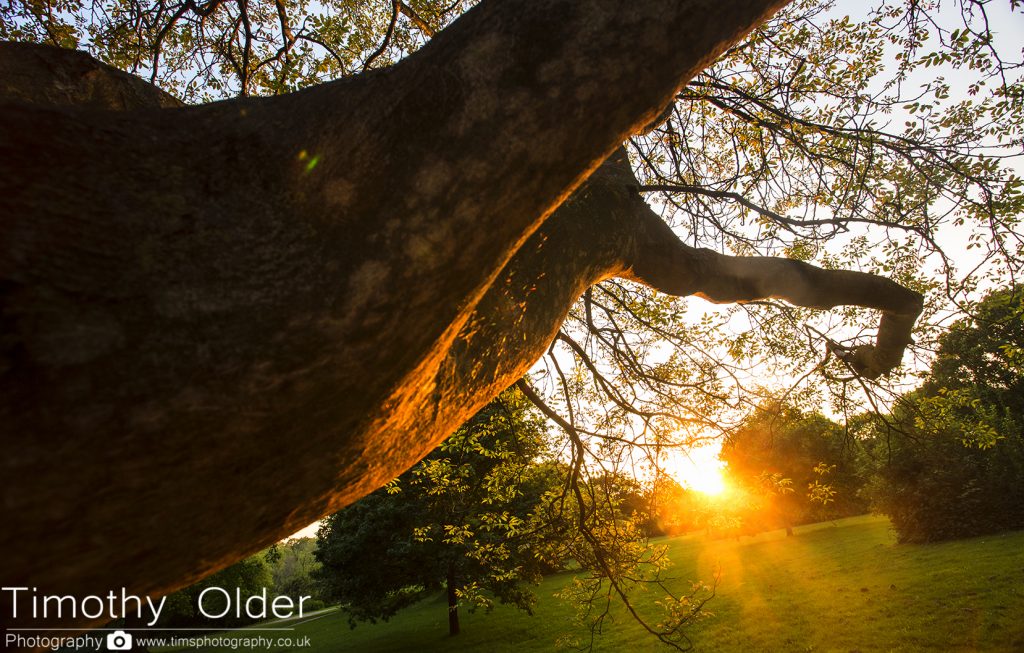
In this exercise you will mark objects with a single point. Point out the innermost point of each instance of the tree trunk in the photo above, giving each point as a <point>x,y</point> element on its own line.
<point>453,603</point>
<point>221,323</point>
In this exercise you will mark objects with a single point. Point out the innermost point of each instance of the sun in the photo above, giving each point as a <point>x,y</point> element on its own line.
<point>708,480</point>
<point>698,469</point>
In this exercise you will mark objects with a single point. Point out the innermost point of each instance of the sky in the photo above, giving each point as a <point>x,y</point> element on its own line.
<point>308,531</point>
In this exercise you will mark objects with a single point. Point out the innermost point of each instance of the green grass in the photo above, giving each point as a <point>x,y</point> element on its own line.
<point>842,586</point>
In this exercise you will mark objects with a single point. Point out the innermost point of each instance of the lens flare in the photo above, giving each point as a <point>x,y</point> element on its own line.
<point>698,469</point>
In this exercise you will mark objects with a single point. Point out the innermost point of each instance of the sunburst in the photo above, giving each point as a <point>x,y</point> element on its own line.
<point>698,469</point>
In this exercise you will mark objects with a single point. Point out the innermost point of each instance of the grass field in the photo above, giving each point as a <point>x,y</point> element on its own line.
<point>841,586</point>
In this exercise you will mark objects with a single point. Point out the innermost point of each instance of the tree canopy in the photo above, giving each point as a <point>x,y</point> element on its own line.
<point>948,459</point>
<point>250,577</point>
<point>805,464</point>
<point>461,519</point>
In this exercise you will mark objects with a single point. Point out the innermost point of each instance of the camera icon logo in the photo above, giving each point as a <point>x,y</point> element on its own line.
<point>119,641</point>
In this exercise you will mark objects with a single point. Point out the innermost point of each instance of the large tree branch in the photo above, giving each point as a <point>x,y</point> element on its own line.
<point>606,230</point>
<point>417,20</point>
<point>785,221</point>
<point>192,296</point>
<point>667,264</point>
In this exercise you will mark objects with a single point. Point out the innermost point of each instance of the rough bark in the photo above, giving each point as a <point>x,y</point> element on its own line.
<point>52,77</point>
<point>220,323</point>
<point>606,230</point>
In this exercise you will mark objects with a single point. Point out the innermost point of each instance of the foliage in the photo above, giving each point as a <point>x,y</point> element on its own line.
<point>285,569</point>
<point>293,565</point>
<point>603,526</point>
<point>952,454</point>
<point>202,51</point>
<point>981,356</point>
<point>249,576</point>
<point>484,516</point>
<point>800,464</point>
<point>459,519</point>
<point>821,138</point>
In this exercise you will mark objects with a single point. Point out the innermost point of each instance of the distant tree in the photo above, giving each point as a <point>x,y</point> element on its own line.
<point>293,566</point>
<point>459,520</point>
<point>672,511</point>
<point>604,526</point>
<point>249,576</point>
<point>950,457</point>
<point>627,497</point>
<point>982,357</point>
<point>800,463</point>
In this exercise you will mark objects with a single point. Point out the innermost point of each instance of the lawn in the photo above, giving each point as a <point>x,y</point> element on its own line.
<point>839,586</point>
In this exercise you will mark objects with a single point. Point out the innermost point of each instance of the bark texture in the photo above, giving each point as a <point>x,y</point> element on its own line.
<point>220,323</point>
<point>52,77</point>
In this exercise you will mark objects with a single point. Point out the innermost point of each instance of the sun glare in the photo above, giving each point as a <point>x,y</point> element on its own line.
<point>699,469</point>
<point>708,481</point>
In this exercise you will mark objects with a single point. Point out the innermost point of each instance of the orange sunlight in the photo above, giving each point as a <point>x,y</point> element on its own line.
<point>698,469</point>
<point>708,481</point>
